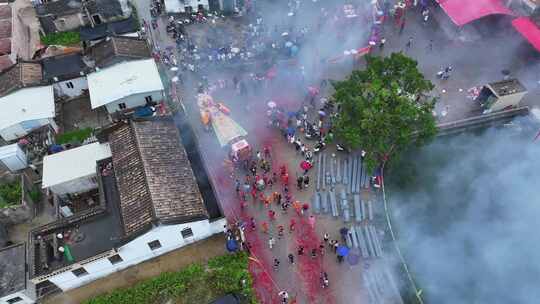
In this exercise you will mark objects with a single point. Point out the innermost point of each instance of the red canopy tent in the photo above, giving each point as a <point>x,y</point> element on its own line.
<point>529,30</point>
<point>464,11</point>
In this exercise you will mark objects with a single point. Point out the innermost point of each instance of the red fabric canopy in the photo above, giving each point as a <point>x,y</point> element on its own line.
<point>464,11</point>
<point>528,29</point>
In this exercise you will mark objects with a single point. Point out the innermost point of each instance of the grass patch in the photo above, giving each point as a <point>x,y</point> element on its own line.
<point>61,38</point>
<point>10,194</point>
<point>78,135</point>
<point>196,283</point>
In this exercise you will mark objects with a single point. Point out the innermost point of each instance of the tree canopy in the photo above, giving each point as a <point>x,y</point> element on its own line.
<point>384,108</point>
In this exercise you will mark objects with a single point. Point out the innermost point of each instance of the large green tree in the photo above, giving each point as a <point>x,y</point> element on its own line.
<point>384,107</point>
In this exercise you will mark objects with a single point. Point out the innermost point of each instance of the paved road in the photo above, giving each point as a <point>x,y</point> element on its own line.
<point>478,53</point>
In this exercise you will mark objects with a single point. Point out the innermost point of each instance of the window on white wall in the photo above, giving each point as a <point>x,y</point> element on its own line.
<point>122,106</point>
<point>187,232</point>
<point>148,98</point>
<point>69,84</point>
<point>14,300</point>
<point>154,245</point>
<point>79,272</point>
<point>115,259</point>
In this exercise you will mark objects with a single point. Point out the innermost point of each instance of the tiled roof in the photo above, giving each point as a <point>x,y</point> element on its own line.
<point>114,49</point>
<point>5,46</point>
<point>67,66</point>
<point>106,8</point>
<point>154,175</point>
<point>23,74</point>
<point>5,62</point>
<point>5,12</point>
<point>5,28</point>
<point>59,8</point>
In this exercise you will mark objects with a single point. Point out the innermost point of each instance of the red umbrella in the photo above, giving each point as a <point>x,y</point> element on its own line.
<point>305,165</point>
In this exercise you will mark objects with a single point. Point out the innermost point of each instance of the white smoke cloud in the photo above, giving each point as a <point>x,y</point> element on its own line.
<point>468,222</point>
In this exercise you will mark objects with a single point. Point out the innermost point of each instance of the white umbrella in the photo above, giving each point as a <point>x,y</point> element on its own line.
<point>235,50</point>
<point>174,79</point>
<point>271,104</point>
<point>346,53</point>
<point>288,44</point>
<point>284,34</point>
<point>174,69</point>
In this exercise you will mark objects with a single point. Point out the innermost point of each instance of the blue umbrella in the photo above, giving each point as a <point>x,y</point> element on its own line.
<point>290,131</point>
<point>353,259</point>
<point>343,250</point>
<point>232,245</point>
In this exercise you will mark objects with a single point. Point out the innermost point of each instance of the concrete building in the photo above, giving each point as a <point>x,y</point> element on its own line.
<point>185,6</point>
<point>13,275</point>
<point>149,204</point>
<point>27,104</point>
<point>74,170</point>
<point>67,74</point>
<point>13,157</point>
<point>68,15</point>
<point>125,86</point>
<point>501,95</point>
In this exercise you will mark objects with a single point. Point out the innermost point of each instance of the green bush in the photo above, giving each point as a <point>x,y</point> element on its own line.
<point>35,195</point>
<point>196,283</point>
<point>78,135</point>
<point>61,38</point>
<point>10,194</point>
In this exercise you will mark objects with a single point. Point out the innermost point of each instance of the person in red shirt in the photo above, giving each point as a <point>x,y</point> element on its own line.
<point>272,215</point>
<point>264,226</point>
<point>292,224</point>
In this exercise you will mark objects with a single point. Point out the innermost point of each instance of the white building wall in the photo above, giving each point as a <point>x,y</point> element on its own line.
<point>78,185</point>
<point>133,101</point>
<point>13,132</point>
<point>20,294</point>
<point>63,88</point>
<point>176,6</point>
<point>138,251</point>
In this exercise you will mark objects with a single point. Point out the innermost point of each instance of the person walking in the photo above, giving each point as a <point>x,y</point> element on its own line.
<point>271,215</point>
<point>299,182</point>
<point>271,243</point>
<point>284,297</point>
<point>336,245</point>
<point>306,181</point>
<point>409,43</point>
<point>252,223</point>
<point>311,221</point>
<point>280,231</point>
<point>276,264</point>
<point>292,225</point>
<point>291,258</point>
<point>326,237</point>
<point>264,227</point>
<point>301,250</point>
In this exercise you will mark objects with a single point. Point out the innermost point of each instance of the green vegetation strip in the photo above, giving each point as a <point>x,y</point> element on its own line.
<point>78,135</point>
<point>10,194</point>
<point>196,283</point>
<point>62,38</point>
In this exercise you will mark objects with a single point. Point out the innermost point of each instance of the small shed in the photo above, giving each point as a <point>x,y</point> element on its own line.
<point>74,171</point>
<point>26,110</point>
<point>13,157</point>
<point>500,95</point>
